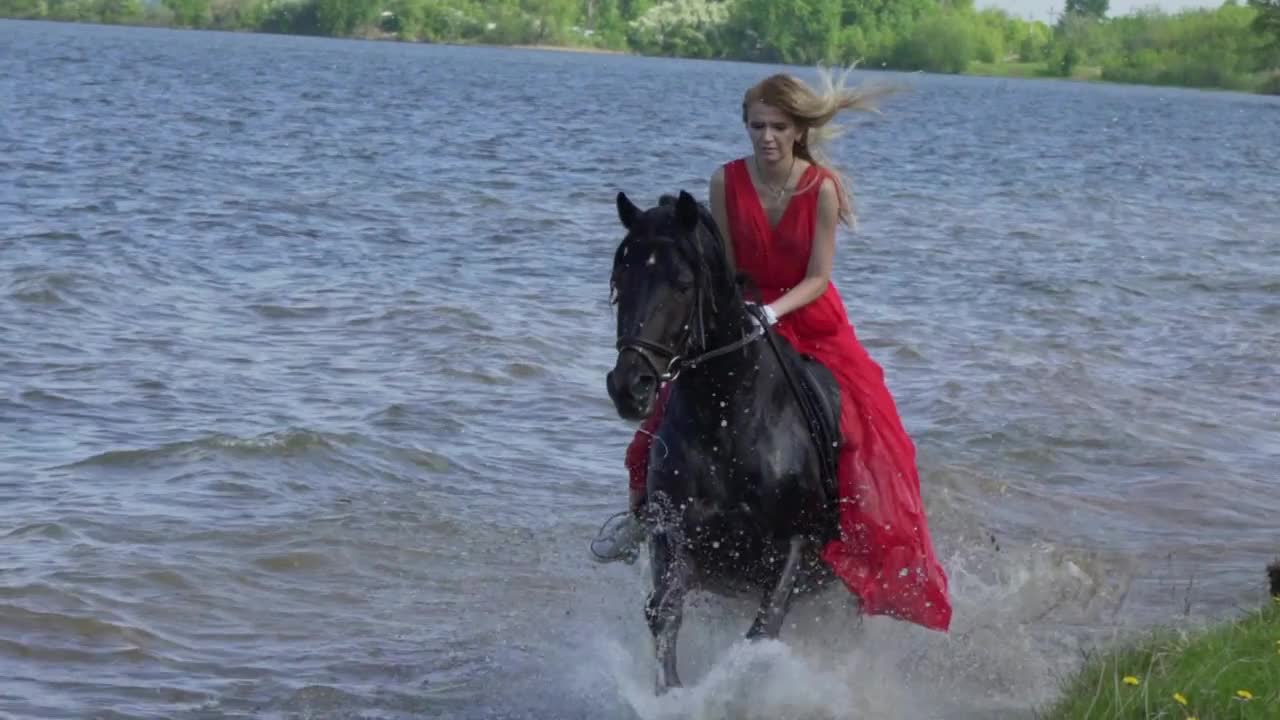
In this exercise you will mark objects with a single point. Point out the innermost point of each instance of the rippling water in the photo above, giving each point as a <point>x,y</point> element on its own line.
<point>302,350</point>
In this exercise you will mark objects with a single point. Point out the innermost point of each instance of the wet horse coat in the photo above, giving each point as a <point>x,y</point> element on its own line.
<point>740,487</point>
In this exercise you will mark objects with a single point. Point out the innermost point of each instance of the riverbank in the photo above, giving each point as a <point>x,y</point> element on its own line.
<point>1259,83</point>
<point>568,49</point>
<point>1024,70</point>
<point>1266,84</point>
<point>1090,52</point>
<point>1229,670</point>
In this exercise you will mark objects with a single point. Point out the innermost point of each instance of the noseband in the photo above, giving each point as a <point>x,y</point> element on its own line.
<point>676,362</point>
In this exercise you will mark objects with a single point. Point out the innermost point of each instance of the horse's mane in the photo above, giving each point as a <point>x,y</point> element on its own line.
<point>707,222</point>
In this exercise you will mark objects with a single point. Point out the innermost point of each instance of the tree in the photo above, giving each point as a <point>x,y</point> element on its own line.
<point>1267,21</point>
<point>940,43</point>
<point>22,8</point>
<point>117,11</point>
<point>1267,24</point>
<point>342,17</point>
<point>1088,8</point>
<point>189,13</point>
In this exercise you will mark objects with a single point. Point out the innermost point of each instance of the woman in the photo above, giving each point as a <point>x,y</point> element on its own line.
<point>778,209</point>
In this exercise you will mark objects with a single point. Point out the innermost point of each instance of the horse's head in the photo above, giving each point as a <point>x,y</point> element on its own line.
<point>667,273</point>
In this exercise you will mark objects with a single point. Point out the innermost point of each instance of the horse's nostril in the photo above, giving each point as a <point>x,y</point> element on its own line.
<point>643,384</point>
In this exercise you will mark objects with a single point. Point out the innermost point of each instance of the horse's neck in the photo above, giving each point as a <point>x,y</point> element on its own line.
<point>732,323</point>
<point>721,380</point>
<point>717,383</point>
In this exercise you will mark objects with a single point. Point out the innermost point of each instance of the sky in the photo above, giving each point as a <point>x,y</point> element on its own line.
<point>1045,9</point>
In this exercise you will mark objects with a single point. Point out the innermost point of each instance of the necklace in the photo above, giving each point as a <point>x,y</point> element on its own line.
<point>778,192</point>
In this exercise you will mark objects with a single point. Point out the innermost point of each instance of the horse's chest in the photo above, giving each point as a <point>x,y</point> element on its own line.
<point>738,454</point>
<point>735,446</point>
<point>763,448</point>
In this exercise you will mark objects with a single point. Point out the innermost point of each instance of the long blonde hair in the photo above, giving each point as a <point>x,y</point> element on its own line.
<point>813,112</point>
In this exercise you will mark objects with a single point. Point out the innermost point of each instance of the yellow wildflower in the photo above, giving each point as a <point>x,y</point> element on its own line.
<point>1130,680</point>
<point>1244,695</point>
<point>1180,698</point>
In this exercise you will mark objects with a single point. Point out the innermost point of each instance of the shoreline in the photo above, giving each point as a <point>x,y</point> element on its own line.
<point>565,49</point>
<point>1224,668</point>
<point>1000,70</point>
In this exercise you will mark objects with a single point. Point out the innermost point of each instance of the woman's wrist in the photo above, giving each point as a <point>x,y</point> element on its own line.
<point>770,314</point>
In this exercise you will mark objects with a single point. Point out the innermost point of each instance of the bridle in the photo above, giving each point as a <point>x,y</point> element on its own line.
<point>675,359</point>
<point>676,362</point>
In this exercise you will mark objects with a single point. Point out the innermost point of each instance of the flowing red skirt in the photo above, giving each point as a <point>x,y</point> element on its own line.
<point>884,555</point>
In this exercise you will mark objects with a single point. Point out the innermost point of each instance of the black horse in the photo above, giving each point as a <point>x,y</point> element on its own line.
<point>741,484</point>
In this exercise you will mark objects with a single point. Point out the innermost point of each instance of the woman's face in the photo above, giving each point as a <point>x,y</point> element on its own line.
<point>773,134</point>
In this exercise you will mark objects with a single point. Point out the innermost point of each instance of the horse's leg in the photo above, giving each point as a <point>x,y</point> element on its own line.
<point>776,601</point>
<point>666,606</point>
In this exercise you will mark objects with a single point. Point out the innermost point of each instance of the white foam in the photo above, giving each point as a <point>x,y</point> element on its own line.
<point>768,680</point>
<point>1020,619</point>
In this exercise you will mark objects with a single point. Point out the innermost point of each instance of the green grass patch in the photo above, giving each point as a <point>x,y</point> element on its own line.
<point>1009,69</point>
<point>1087,72</point>
<point>1225,672</point>
<point>1031,70</point>
<point>1270,83</point>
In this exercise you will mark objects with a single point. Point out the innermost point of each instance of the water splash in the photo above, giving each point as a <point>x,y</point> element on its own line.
<point>1019,617</point>
<point>770,680</point>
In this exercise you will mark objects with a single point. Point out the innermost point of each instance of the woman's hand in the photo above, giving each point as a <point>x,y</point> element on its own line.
<point>767,311</point>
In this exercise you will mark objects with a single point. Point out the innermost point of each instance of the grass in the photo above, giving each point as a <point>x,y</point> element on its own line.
<point>1009,69</point>
<point>1030,70</point>
<point>1270,83</point>
<point>1230,671</point>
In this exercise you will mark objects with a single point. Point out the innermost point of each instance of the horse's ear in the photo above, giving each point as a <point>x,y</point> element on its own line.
<point>627,210</point>
<point>687,211</point>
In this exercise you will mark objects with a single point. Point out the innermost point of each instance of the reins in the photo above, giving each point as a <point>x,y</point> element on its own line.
<point>808,409</point>
<point>676,363</point>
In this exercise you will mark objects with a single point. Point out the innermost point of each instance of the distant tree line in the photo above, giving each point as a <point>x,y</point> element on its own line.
<point>1234,46</point>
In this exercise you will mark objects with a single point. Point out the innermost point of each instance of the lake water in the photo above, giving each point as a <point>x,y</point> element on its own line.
<point>302,356</point>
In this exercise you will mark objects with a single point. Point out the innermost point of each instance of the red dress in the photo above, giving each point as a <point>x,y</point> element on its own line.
<point>884,555</point>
